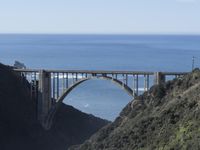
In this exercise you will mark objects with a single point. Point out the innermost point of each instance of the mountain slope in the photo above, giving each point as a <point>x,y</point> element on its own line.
<point>19,128</point>
<point>167,117</point>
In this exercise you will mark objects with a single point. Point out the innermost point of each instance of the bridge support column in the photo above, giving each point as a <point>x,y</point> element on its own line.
<point>44,96</point>
<point>135,85</point>
<point>159,78</point>
<point>146,83</point>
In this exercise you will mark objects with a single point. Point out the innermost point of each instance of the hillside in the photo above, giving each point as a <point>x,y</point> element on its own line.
<point>167,117</point>
<point>19,128</point>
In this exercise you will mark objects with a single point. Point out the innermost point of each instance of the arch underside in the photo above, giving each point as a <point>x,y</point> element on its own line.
<point>126,88</point>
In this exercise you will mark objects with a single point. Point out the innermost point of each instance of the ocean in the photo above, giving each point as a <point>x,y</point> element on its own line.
<point>101,52</point>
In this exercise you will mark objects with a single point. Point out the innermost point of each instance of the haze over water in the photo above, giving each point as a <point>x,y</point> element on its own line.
<point>101,52</point>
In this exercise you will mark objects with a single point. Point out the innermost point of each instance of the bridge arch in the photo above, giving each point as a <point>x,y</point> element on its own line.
<point>51,115</point>
<point>119,83</point>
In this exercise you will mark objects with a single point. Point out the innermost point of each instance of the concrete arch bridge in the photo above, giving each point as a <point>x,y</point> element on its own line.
<point>50,87</point>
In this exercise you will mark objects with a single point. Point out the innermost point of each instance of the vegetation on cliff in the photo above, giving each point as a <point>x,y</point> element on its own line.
<point>167,117</point>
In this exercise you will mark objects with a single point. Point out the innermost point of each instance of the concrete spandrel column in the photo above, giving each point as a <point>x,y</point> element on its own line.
<point>159,78</point>
<point>135,85</point>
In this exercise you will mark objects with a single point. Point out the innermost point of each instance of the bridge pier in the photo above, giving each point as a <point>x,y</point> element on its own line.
<point>159,78</point>
<point>146,83</point>
<point>44,96</point>
<point>135,85</point>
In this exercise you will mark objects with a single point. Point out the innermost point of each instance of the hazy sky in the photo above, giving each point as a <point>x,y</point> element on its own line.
<point>100,16</point>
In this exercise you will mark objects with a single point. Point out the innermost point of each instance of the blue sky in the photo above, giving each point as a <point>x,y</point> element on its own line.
<point>100,16</point>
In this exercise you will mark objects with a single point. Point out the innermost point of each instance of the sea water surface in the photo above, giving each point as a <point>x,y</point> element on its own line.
<point>101,52</point>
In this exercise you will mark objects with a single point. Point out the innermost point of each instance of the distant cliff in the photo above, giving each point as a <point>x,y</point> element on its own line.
<point>167,117</point>
<point>19,128</point>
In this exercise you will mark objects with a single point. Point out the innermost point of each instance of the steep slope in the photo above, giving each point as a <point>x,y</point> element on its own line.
<point>167,117</point>
<point>19,128</point>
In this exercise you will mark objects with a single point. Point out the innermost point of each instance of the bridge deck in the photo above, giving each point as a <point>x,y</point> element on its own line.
<point>101,72</point>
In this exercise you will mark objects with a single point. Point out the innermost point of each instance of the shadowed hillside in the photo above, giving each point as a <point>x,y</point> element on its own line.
<point>167,117</point>
<point>19,128</point>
